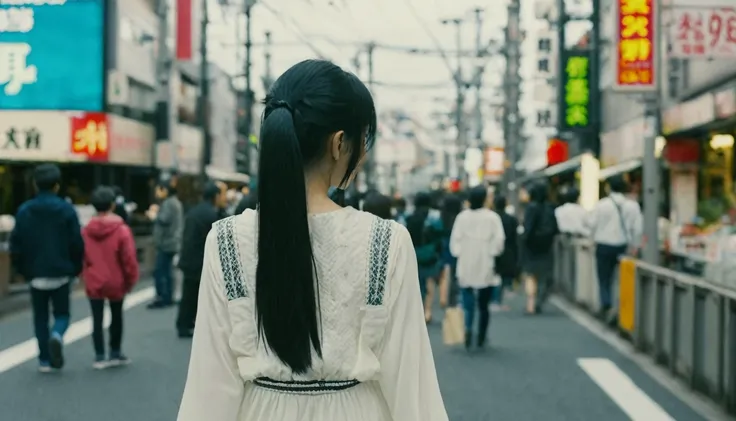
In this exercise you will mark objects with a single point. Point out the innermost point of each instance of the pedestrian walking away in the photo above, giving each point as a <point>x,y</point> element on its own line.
<point>425,228</point>
<point>507,263</point>
<point>477,239</point>
<point>616,225</point>
<point>110,272</point>
<point>309,310</point>
<point>197,225</point>
<point>540,229</point>
<point>167,231</point>
<point>47,249</point>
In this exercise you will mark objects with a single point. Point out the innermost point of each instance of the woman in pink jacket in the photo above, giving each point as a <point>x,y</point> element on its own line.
<point>110,272</point>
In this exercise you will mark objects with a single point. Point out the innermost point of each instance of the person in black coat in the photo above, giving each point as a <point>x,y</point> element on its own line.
<point>197,225</point>
<point>120,204</point>
<point>507,263</point>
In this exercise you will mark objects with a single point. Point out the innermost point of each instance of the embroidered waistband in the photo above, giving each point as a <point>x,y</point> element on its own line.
<point>305,387</point>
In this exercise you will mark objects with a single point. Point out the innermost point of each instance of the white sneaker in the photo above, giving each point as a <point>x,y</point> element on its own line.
<point>100,365</point>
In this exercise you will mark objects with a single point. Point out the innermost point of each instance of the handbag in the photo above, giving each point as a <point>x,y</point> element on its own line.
<point>453,326</point>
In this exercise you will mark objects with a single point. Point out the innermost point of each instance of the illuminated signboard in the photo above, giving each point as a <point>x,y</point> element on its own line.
<point>636,43</point>
<point>51,54</point>
<point>576,104</point>
<point>89,136</point>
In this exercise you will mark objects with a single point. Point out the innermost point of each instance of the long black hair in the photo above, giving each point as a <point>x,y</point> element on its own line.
<point>305,107</point>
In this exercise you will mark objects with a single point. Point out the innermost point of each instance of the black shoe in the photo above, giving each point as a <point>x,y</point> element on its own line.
<point>56,352</point>
<point>186,333</point>
<point>158,304</point>
<point>481,340</point>
<point>468,340</point>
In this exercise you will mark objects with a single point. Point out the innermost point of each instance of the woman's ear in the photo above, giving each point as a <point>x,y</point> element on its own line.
<point>336,144</point>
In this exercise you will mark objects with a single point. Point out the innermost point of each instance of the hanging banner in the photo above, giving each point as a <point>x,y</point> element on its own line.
<point>636,35</point>
<point>576,85</point>
<point>89,136</point>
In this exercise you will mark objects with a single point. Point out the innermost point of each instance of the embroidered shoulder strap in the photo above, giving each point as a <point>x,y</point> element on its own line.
<point>378,261</point>
<point>232,267</point>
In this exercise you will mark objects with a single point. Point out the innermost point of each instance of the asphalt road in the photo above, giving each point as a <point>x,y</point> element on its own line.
<point>538,368</point>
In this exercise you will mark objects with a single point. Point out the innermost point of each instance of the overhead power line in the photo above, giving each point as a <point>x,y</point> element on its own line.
<point>295,29</point>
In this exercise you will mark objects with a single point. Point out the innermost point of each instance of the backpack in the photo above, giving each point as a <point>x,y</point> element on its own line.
<point>543,230</point>
<point>426,233</point>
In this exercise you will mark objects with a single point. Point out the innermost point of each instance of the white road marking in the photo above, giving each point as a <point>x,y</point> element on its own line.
<point>28,350</point>
<point>703,406</point>
<point>622,390</point>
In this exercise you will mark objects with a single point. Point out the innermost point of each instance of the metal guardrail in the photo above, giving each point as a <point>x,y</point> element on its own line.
<point>683,322</point>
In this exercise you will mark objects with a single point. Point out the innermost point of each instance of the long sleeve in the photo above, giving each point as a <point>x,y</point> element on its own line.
<point>166,214</point>
<point>16,243</point>
<point>128,258</point>
<point>76,242</point>
<point>214,388</point>
<point>456,235</point>
<point>408,376</point>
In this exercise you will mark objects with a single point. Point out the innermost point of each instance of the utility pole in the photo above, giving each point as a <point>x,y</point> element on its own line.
<point>651,182</point>
<point>478,82</point>
<point>248,99</point>
<point>165,110</point>
<point>267,75</point>
<point>453,167</point>
<point>370,164</point>
<point>511,121</point>
<point>204,93</point>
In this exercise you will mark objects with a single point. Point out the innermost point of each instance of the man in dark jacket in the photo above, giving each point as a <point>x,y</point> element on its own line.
<point>47,249</point>
<point>168,221</point>
<point>197,225</point>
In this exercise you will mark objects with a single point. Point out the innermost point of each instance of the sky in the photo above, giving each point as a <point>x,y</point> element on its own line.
<point>339,30</point>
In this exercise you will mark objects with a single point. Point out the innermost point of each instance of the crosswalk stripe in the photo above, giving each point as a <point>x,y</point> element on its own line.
<point>623,391</point>
<point>28,350</point>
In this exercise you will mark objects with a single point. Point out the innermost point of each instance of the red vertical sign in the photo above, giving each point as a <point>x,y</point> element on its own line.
<point>636,44</point>
<point>184,39</point>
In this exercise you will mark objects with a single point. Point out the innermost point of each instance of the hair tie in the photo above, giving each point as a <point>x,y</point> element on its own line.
<point>283,104</point>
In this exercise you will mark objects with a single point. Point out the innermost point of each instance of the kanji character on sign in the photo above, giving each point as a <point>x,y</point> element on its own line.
<point>635,26</point>
<point>577,92</point>
<point>637,49</point>
<point>633,7</point>
<point>690,27</point>
<point>91,139</point>
<point>577,67</point>
<point>577,115</point>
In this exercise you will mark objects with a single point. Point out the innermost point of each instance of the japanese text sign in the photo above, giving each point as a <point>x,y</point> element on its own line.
<point>89,136</point>
<point>704,32</point>
<point>51,54</point>
<point>636,40</point>
<point>576,91</point>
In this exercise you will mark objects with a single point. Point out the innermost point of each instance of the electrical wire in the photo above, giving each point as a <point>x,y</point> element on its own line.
<point>295,29</point>
<point>431,35</point>
<point>419,86</point>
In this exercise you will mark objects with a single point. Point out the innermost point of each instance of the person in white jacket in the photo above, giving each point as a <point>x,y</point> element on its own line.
<point>477,238</point>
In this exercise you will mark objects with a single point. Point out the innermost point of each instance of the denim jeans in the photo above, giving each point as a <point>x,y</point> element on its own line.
<point>606,262</point>
<point>163,274</point>
<point>40,300</point>
<point>481,298</point>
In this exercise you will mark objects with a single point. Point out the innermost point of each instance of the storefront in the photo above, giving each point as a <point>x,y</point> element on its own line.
<point>188,162</point>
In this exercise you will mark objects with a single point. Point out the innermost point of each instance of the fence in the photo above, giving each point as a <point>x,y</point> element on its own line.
<point>683,322</point>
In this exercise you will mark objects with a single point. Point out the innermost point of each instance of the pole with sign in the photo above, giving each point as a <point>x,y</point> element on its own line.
<point>637,71</point>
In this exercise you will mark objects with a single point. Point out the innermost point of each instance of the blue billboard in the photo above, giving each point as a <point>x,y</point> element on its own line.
<point>51,54</point>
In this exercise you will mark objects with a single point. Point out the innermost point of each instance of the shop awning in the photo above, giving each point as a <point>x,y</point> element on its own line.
<point>571,164</point>
<point>233,177</point>
<point>621,168</point>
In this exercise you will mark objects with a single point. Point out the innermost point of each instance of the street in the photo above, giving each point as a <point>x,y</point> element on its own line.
<point>538,368</point>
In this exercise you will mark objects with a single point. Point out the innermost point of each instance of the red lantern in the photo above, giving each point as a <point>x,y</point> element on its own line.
<point>557,152</point>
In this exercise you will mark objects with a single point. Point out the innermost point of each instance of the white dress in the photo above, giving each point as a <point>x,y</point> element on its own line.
<point>373,330</point>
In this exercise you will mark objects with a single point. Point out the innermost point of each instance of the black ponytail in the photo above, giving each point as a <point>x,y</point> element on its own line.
<point>285,288</point>
<point>306,106</point>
